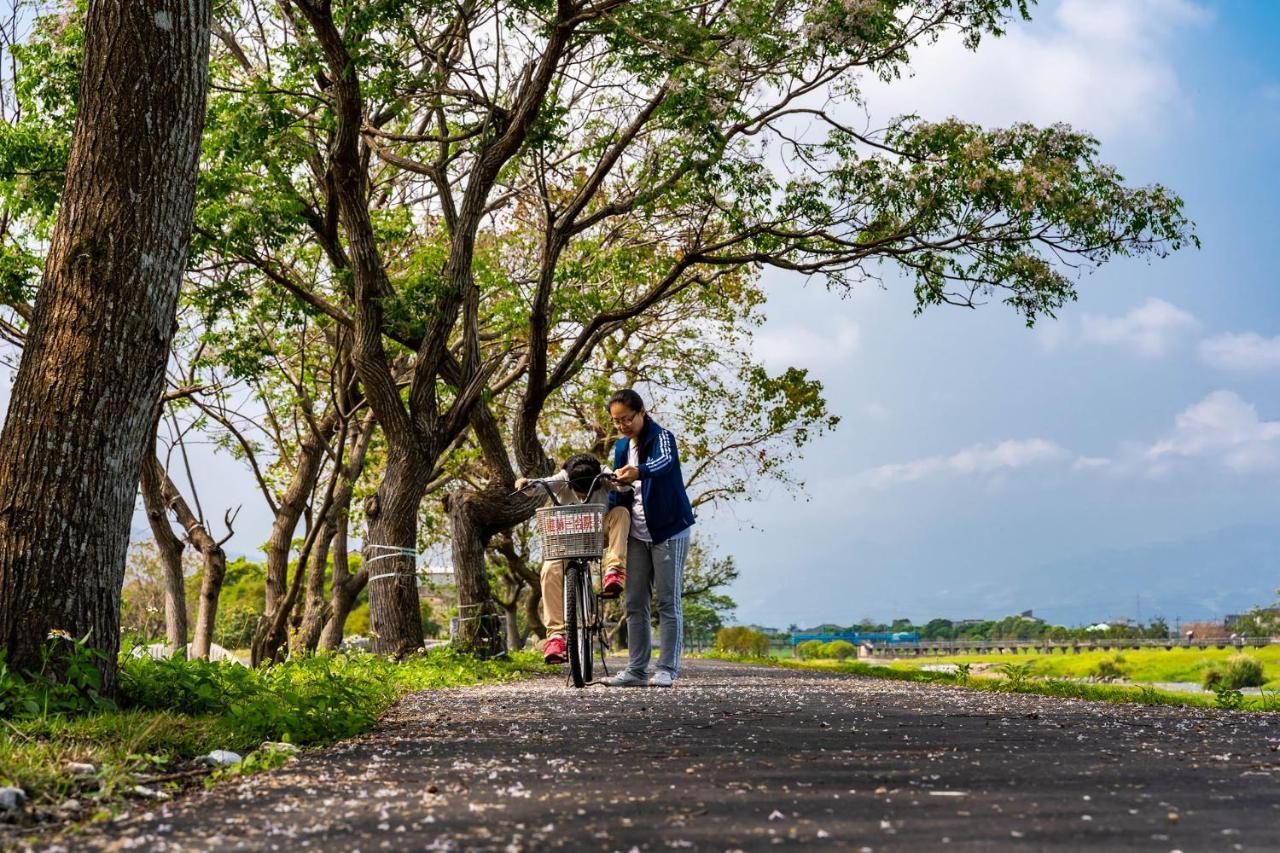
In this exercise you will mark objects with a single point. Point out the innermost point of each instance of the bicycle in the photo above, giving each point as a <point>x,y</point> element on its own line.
<point>574,534</point>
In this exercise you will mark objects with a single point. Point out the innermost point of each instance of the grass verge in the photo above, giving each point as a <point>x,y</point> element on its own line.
<point>174,711</point>
<point>1229,700</point>
<point>1141,665</point>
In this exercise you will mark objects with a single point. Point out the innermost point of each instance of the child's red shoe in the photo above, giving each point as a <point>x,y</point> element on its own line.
<point>612,585</point>
<point>554,650</point>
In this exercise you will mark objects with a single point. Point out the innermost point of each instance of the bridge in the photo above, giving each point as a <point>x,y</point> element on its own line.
<point>856,637</point>
<point>947,648</point>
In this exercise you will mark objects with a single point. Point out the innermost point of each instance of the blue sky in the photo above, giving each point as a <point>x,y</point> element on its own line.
<point>1125,457</point>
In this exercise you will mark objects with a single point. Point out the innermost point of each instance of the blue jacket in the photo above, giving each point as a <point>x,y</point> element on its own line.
<point>667,510</point>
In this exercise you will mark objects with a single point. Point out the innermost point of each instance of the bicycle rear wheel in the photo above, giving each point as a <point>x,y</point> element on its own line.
<point>574,629</point>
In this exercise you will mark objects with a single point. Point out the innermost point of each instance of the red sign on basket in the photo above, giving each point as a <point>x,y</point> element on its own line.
<point>566,524</point>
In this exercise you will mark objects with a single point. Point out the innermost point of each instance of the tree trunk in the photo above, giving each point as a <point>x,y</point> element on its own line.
<point>511,622</point>
<point>318,612</point>
<point>474,517</point>
<point>292,505</point>
<point>533,612</point>
<point>215,570</point>
<point>518,566</point>
<point>170,546</point>
<point>72,448</point>
<point>395,618</point>
<point>161,494</point>
<point>346,588</point>
<point>315,609</point>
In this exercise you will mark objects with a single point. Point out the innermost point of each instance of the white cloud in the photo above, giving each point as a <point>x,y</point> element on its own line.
<point>1101,65</point>
<point>1090,463</point>
<point>1151,329</point>
<point>978,459</point>
<point>1246,351</point>
<point>1222,426</point>
<point>797,346</point>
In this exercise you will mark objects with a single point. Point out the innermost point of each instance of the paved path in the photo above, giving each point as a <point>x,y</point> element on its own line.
<point>750,758</point>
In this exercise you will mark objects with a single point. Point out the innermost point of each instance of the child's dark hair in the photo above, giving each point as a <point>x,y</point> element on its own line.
<point>628,398</point>
<point>582,469</point>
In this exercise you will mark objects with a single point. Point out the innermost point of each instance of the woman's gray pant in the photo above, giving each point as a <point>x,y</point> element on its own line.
<point>655,567</point>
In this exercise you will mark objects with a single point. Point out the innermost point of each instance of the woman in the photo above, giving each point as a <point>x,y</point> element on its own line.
<point>661,516</point>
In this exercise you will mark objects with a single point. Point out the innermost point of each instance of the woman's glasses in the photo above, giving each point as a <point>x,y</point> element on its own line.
<point>623,421</point>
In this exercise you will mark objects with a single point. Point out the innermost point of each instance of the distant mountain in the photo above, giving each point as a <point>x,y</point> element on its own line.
<point>1202,577</point>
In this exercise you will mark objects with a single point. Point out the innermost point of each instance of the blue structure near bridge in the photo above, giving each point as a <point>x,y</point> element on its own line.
<point>857,637</point>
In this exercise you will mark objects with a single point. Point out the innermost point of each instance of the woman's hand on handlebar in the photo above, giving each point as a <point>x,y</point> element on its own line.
<point>521,483</point>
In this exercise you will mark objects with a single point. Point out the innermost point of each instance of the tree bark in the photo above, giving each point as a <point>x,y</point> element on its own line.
<point>512,625</point>
<point>293,503</point>
<point>524,575</point>
<point>317,611</point>
<point>479,629</point>
<point>170,546</point>
<point>215,571</point>
<point>533,613</point>
<point>161,495</point>
<point>395,617</point>
<point>73,443</point>
<point>344,591</point>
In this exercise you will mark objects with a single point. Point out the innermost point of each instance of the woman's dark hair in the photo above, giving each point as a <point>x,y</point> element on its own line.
<point>582,469</point>
<point>628,398</point>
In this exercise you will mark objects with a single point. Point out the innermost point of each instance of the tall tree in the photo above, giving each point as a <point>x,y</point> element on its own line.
<point>93,365</point>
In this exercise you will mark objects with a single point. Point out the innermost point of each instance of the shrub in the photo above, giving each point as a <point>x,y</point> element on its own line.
<point>68,681</point>
<point>235,626</point>
<point>1109,669</point>
<point>1017,673</point>
<point>1235,672</point>
<point>742,641</point>
<point>839,650</point>
<point>809,649</point>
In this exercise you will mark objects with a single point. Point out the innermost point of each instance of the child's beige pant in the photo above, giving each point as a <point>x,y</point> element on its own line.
<point>617,525</point>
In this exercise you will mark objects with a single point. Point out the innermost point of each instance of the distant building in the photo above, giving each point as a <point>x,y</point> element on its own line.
<point>1266,614</point>
<point>1206,630</point>
<point>1030,617</point>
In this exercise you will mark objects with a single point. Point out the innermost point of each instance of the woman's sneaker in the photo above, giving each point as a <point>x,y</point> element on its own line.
<point>662,678</point>
<point>626,678</point>
<point>554,650</point>
<point>611,587</point>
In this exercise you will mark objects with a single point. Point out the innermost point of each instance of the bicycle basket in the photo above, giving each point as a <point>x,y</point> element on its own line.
<point>570,532</point>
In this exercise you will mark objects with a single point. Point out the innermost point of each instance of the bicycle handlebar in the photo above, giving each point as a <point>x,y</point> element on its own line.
<point>545,483</point>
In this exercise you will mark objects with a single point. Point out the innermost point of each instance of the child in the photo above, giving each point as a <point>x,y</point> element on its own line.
<point>570,485</point>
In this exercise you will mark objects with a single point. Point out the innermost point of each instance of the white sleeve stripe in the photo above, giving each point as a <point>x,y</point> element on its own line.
<point>663,460</point>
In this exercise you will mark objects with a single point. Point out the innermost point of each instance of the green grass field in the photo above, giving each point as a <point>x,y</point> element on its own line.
<point>1142,666</point>
<point>1057,687</point>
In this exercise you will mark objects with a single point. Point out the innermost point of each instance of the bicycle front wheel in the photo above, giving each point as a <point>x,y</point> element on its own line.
<point>574,626</point>
<point>587,622</point>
